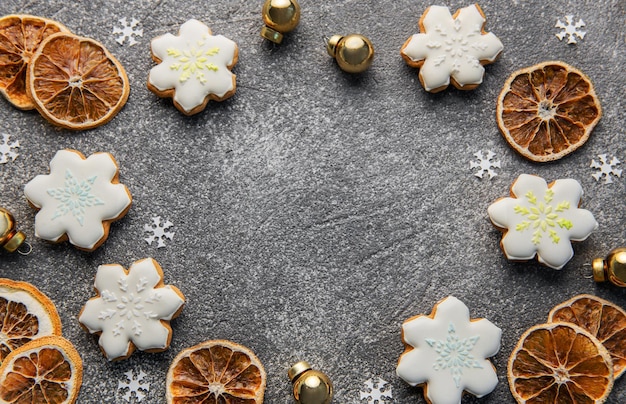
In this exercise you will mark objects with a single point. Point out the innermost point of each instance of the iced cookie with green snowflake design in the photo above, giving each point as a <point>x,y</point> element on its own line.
<point>542,220</point>
<point>132,310</point>
<point>451,48</point>
<point>446,352</point>
<point>193,67</point>
<point>79,199</point>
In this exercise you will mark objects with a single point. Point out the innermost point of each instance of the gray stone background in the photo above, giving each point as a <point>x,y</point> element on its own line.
<point>315,211</point>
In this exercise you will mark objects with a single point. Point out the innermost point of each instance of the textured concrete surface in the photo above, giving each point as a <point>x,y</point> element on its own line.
<point>316,211</point>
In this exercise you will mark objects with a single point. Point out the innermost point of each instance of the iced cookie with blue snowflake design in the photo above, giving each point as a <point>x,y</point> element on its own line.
<point>193,67</point>
<point>446,352</point>
<point>79,199</point>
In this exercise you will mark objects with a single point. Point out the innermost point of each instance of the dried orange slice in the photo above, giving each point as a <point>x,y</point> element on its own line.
<point>216,371</point>
<point>25,314</point>
<point>46,370</point>
<point>604,320</point>
<point>560,363</point>
<point>75,82</point>
<point>547,111</point>
<point>20,35</point>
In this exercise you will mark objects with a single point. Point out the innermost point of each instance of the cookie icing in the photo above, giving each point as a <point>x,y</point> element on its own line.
<point>195,64</point>
<point>542,220</point>
<point>76,197</point>
<point>451,47</point>
<point>131,308</point>
<point>447,351</point>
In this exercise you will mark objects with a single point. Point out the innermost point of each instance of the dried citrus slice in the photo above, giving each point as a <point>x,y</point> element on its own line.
<point>547,111</point>
<point>46,370</point>
<point>75,82</point>
<point>20,35</point>
<point>604,320</point>
<point>25,314</point>
<point>216,371</point>
<point>560,363</point>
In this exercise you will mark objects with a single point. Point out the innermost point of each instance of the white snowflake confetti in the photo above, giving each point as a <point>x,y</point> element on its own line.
<point>606,167</point>
<point>159,231</point>
<point>485,164</point>
<point>7,149</point>
<point>570,29</point>
<point>376,391</point>
<point>127,31</point>
<point>134,386</point>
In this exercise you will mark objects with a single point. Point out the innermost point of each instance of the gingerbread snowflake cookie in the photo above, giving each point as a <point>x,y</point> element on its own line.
<point>451,48</point>
<point>132,310</point>
<point>446,352</point>
<point>541,219</point>
<point>79,199</point>
<point>194,67</point>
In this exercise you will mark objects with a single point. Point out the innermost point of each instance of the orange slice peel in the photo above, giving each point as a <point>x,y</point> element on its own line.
<point>602,319</point>
<point>20,36</point>
<point>560,363</point>
<point>547,111</point>
<point>46,370</point>
<point>25,314</point>
<point>75,82</point>
<point>217,371</point>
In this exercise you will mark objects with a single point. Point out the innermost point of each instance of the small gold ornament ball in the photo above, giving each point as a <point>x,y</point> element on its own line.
<point>612,268</point>
<point>279,16</point>
<point>310,386</point>
<point>10,238</point>
<point>354,53</point>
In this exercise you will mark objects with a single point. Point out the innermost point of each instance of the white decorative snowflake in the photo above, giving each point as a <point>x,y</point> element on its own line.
<point>542,220</point>
<point>376,391</point>
<point>570,29</point>
<point>127,31</point>
<point>606,167</point>
<point>8,149</point>
<point>133,386</point>
<point>448,351</point>
<point>451,47</point>
<point>159,231</point>
<point>485,164</point>
<point>74,197</point>
<point>131,308</point>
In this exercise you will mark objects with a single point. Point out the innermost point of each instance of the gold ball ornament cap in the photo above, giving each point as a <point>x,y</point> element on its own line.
<point>354,53</point>
<point>280,17</point>
<point>10,238</point>
<point>612,268</point>
<point>310,386</point>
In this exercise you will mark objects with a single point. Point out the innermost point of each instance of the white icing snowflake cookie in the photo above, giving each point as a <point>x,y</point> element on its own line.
<point>194,67</point>
<point>447,353</point>
<point>451,48</point>
<point>132,310</point>
<point>79,199</point>
<point>541,219</point>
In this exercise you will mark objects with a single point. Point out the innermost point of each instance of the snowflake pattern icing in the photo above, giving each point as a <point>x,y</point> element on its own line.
<point>130,308</point>
<point>76,198</point>
<point>451,46</point>
<point>536,209</point>
<point>449,352</point>
<point>8,149</point>
<point>607,168</point>
<point>159,231</point>
<point>485,164</point>
<point>570,29</point>
<point>135,385</point>
<point>376,391</point>
<point>194,64</point>
<point>127,32</point>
